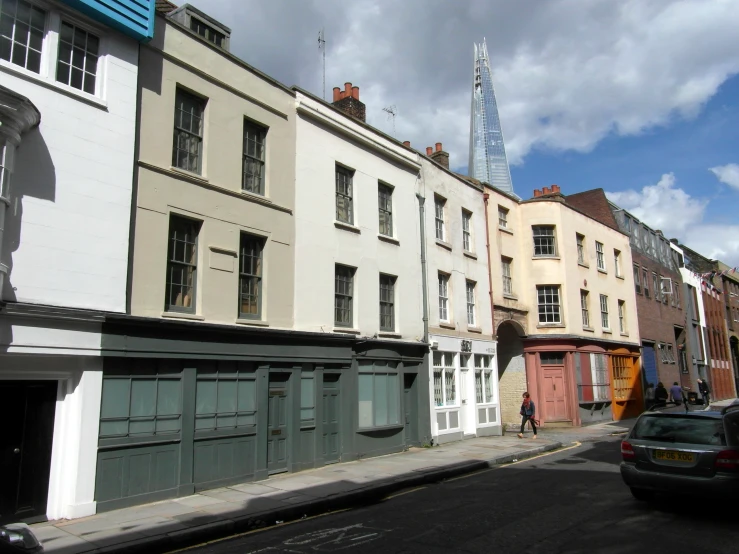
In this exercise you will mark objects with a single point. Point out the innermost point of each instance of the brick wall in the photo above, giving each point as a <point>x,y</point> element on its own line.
<point>351,106</point>
<point>512,374</point>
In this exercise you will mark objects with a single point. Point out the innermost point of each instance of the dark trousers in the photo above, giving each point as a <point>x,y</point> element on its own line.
<point>524,419</point>
<point>707,398</point>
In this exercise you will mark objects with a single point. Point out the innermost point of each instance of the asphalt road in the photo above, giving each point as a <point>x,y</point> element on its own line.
<point>571,501</point>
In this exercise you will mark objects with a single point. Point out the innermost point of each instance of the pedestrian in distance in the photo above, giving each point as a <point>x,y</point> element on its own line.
<point>676,393</point>
<point>649,395</point>
<point>705,392</point>
<point>528,413</point>
<point>660,396</point>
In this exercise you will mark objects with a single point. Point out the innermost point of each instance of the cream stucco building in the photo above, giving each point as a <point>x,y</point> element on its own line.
<point>565,297</point>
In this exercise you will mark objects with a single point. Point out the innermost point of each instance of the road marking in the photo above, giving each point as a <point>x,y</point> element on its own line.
<point>576,444</point>
<point>254,531</point>
<point>403,492</point>
<point>470,474</point>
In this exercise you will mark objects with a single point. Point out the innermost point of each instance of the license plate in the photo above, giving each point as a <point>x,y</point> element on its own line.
<point>674,456</point>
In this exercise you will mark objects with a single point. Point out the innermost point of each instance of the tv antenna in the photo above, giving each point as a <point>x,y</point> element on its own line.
<point>392,111</point>
<point>322,48</point>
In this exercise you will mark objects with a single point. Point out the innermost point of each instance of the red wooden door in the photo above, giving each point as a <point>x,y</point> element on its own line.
<point>555,397</point>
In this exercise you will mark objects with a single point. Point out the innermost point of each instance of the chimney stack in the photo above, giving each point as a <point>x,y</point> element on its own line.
<point>429,151</point>
<point>546,190</point>
<point>555,188</point>
<point>407,143</point>
<point>347,101</point>
<point>439,156</point>
<point>537,193</point>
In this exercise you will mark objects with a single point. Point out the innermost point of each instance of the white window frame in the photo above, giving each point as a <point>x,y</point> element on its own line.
<point>485,392</point>
<point>600,256</point>
<point>50,52</point>
<point>439,219</point>
<point>585,307</point>
<point>599,374</point>
<point>470,293</point>
<point>551,249</point>
<point>503,217</point>
<point>622,316</point>
<point>444,307</point>
<point>467,230</point>
<point>604,318</point>
<point>580,242</point>
<point>445,373</point>
<point>506,269</point>
<point>617,262</point>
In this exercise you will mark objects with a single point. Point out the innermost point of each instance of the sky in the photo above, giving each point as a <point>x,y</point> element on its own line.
<point>638,97</point>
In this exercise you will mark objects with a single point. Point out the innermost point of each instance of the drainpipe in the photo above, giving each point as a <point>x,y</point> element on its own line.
<point>424,284</point>
<point>485,197</point>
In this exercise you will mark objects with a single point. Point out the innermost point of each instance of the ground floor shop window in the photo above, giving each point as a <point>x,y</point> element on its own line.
<point>225,401</point>
<point>601,383</point>
<point>484,385</point>
<point>445,383</point>
<point>379,394</point>
<point>140,406</point>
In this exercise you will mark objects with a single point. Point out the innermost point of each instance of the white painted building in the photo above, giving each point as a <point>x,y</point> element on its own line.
<point>64,247</point>
<point>464,397</point>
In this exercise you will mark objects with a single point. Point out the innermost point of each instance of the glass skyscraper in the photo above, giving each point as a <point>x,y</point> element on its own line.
<point>488,162</point>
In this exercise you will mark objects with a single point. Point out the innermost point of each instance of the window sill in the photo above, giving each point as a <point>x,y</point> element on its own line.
<point>550,326</point>
<point>469,254</point>
<point>607,332</point>
<point>380,428</point>
<point>474,330</point>
<point>445,325</point>
<point>621,277</point>
<point>545,258</point>
<point>389,335</point>
<point>624,334</point>
<point>255,196</point>
<point>347,227</point>
<point>603,271</point>
<point>586,266</point>
<point>589,329</point>
<point>505,230</point>
<point>190,174</point>
<point>183,315</point>
<point>444,244</point>
<point>510,296</point>
<point>346,330</point>
<point>52,84</point>
<point>388,239</point>
<point>252,322</point>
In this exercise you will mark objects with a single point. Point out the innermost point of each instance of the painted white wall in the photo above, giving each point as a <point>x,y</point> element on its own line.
<point>326,137</point>
<point>73,179</point>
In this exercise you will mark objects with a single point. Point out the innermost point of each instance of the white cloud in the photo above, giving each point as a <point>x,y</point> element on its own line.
<point>679,215</point>
<point>567,72</point>
<point>727,174</point>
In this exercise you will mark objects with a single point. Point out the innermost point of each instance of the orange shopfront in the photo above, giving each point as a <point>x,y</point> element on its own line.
<point>575,381</point>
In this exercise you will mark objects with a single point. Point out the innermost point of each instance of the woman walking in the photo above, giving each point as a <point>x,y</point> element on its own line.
<point>528,411</point>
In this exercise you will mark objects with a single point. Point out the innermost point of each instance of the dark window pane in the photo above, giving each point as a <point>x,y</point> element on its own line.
<point>5,47</point>
<point>91,64</point>
<point>65,52</point>
<point>36,39</point>
<point>6,27</point>
<point>92,44</point>
<point>89,83</point>
<point>67,32</point>
<point>80,38</point>
<point>62,73</point>
<point>34,61</point>
<point>8,7</point>
<point>21,33</point>
<point>76,80</point>
<point>37,18</point>
<point>19,55</point>
<point>78,58</point>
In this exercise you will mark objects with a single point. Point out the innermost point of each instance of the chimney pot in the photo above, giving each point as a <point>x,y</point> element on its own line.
<point>429,150</point>
<point>555,188</point>
<point>546,190</point>
<point>407,143</point>
<point>438,147</point>
<point>537,193</point>
<point>337,94</point>
<point>355,93</point>
<point>347,89</point>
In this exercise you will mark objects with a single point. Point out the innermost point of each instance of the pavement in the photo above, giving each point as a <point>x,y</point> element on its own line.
<point>179,522</point>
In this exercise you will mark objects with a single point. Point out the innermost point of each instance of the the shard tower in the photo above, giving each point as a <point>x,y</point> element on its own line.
<point>488,162</point>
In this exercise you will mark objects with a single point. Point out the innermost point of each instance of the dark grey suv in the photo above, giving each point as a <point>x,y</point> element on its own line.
<point>695,453</point>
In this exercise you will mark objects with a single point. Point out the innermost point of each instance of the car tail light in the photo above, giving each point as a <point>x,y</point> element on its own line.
<point>727,460</point>
<point>627,451</point>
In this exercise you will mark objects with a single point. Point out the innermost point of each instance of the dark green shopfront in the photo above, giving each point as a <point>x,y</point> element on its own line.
<point>188,406</point>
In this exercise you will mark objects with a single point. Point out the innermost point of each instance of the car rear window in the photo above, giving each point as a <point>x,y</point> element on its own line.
<point>692,430</point>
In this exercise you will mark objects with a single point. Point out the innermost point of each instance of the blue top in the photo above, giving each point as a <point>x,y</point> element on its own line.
<point>530,411</point>
<point>676,392</point>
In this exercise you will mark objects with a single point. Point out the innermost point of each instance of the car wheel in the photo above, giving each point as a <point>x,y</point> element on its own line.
<point>642,494</point>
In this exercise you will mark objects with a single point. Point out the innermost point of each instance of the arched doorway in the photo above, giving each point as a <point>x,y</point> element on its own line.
<point>511,371</point>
